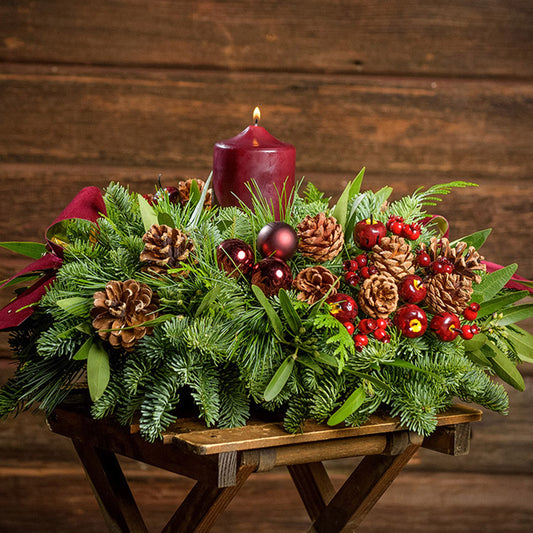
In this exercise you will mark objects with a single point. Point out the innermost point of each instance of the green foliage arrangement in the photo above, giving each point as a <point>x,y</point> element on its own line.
<point>219,344</point>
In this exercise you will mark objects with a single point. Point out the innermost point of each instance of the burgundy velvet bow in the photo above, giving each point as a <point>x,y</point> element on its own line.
<point>88,204</point>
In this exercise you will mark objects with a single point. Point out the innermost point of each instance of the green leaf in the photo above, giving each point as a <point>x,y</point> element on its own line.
<point>76,306</point>
<point>289,312</point>
<point>441,223</point>
<point>85,328</point>
<point>477,239</point>
<point>352,218</point>
<point>29,249</point>
<point>279,379</point>
<point>327,360</point>
<point>522,342</point>
<point>83,352</point>
<point>503,366</point>
<point>310,363</point>
<point>208,299</point>
<point>340,211</point>
<point>194,193</point>
<point>148,213</point>
<point>195,217</point>
<point>475,343</point>
<point>166,219</point>
<point>267,306</point>
<point>354,401</point>
<point>25,278</point>
<point>477,357</point>
<point>497,304</point>
<point>97,370</point>
<point>493,283</point>
<point>400,363</point>
<point>515,314</point>
<point>357,182</point>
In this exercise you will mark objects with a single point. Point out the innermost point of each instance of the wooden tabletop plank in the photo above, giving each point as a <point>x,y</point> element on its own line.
<point>257,435</point>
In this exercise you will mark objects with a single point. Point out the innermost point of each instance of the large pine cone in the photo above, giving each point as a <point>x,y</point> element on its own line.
<point>393,256</point>
<point>314,283</point>
<point>466,264</point>
<point>448,292</point>
<point>184,191</point>
<point>320,237</point>
<point>164,248</point>
<point>378,296</point>
<point>125,304</point>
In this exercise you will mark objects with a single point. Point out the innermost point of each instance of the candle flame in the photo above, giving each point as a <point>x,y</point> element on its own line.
<point>257,115</point>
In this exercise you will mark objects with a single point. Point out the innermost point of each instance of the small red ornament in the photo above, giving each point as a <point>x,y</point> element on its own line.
<point>412,289</point>
<point>235,257</point>
<point>343,307</point>
<point>271,275</point>
<point>411,321</point>
<point>446,326</point>
<point>382,323</point>
<point>277,239</point>
<point>381,334</point>
<point>368,233</point>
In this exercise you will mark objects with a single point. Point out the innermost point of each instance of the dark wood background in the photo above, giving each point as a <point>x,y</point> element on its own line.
<point>418,92</point>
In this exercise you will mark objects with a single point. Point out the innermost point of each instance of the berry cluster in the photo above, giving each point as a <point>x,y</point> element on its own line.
<point>447,326</point>
<point>357,269</point>
<point>399,227</point>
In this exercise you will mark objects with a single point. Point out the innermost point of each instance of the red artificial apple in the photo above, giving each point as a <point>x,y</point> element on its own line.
<point>412,289</point>
<point>411,321</point>
<point>369,232</point>
<point>343,307</point>
<point>446,326</point>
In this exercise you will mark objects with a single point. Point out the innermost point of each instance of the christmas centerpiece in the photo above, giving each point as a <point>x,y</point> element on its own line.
<point>165,301</point>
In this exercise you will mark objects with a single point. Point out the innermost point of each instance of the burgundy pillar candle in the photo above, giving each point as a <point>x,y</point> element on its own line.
<point>255,155</point>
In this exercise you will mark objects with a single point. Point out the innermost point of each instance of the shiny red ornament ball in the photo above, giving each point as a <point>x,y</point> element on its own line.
<point>277,239</point>
<point>411,321</point>
<point>271,275</point>
<point>343,307</point>
<point>235,257</point>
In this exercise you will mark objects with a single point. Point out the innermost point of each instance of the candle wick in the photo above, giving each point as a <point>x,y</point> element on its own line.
<point>256,122</point>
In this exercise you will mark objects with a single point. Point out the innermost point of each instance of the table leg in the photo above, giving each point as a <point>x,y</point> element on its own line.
<point>111,489</point>
<point>314,486</point>
<point>204,504</point>
<point>362,490</point>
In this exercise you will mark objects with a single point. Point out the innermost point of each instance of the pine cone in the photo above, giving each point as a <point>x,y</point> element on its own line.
<point>184,191</point>
<point>393,256</point>
<point>378,296</point>
<point>320,237</point>
<point>448,292</point>
<point>165,248</point>
<point>465,264</point>
<point>314,283</point>
<point>121,305</point>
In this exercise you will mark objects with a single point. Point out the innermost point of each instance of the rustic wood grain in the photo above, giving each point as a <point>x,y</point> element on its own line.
<point>132,117</point>
<point>462,37</point>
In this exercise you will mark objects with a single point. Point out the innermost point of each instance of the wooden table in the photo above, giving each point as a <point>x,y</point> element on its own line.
<point>222,460</point>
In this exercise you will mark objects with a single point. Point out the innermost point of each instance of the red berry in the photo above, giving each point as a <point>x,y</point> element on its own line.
<point>359,347</point>
<point>366,325</point>
<point>362,260</point>
<point>350,328</point>
<point>474,307</point>
<point>397,228</point>
<point>368,233</point>
<point>415,230</point>
<point>466,332</point>
<point>438,267</point>
<point>392,220</point>
<point>446,326</point>
<point>448,268</point>
<point>350,265</point>
<point>469,314</point>
<point>411,321</point>
<point>360,339</point>
<point>343,307</point>
<point>412,289</point>
<point>365,272</point>
<point>380,334</point>
<point>475,329</point>
<point>372,269</point>
<point>423,259</point>
<point>352,278</point>
<point>386,339</point>
<point>381,323</point>
<point>407,232</point>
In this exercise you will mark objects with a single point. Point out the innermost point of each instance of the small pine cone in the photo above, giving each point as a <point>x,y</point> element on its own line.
<point>466,264</point>
<point>378,297</point>
<point>314,283</point>
<point>184,191</point>
<point>448,292</point>
<point>126,304</point>
<point>164,248</point>
<point>320,237</point>
<point>393,256</point>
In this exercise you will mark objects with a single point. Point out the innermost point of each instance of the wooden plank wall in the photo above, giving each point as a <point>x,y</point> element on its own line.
<point>418,92</point>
